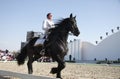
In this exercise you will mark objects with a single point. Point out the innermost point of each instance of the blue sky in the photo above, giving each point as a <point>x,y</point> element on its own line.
<point>94,18</point>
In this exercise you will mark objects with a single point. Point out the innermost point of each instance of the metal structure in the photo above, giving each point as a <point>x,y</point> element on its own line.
<point>30,35</point>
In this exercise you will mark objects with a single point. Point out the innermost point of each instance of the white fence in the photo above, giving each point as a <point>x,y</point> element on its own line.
<point>22,76</point>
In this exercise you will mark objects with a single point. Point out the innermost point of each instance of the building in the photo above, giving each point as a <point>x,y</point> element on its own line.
<point>108,48</point>
<point>30,35</point>
<point>74,50</point>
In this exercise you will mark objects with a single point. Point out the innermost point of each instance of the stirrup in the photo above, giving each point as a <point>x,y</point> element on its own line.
<point>42,52</point>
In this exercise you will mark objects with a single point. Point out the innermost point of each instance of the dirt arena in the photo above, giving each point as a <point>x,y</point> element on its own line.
<point>72,70</point>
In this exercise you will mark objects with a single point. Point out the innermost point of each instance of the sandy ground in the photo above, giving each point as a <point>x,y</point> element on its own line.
<point>72,70</point>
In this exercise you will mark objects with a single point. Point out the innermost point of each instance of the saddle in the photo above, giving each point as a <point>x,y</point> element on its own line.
<point>39,42</point>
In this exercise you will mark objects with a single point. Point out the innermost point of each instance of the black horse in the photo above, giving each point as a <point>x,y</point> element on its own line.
<point>55,46</point>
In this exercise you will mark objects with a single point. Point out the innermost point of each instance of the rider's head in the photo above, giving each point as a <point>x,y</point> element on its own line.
<point>49,16</point>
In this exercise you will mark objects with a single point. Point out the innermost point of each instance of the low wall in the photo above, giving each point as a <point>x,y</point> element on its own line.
<point>22,76</point>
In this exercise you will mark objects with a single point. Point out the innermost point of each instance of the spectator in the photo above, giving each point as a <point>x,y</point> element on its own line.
<point>6,56</point>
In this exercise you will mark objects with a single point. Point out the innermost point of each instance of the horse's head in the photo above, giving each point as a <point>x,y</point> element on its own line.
<point>72,25</point>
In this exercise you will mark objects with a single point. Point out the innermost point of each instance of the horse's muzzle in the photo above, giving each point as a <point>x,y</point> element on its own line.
<point>76,32</point>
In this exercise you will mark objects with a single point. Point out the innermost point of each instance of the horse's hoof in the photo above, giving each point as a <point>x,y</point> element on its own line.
<point>30,72</point>
<point>53,70</point>
<point>59,77</point>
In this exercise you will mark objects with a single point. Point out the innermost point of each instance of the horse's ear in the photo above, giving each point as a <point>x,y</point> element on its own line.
<point>71,15</point>
<point>75,17</point>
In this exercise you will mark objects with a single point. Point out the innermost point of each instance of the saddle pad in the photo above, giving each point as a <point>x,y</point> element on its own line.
<point>39,41</point>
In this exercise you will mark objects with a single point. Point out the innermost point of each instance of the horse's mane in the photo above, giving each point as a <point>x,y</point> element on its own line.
<point>59,30</point>
<point>59,25</point>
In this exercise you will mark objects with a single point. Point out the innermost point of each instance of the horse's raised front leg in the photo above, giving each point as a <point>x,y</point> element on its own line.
<point>61,65</point>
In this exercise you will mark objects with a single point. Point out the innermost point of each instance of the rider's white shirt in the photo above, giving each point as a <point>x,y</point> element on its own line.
<point>47,24</point>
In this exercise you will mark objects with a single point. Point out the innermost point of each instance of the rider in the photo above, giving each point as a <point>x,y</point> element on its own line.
<point>48,24</point>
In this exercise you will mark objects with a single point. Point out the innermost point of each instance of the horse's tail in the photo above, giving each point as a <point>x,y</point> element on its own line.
<point>22,56</point>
